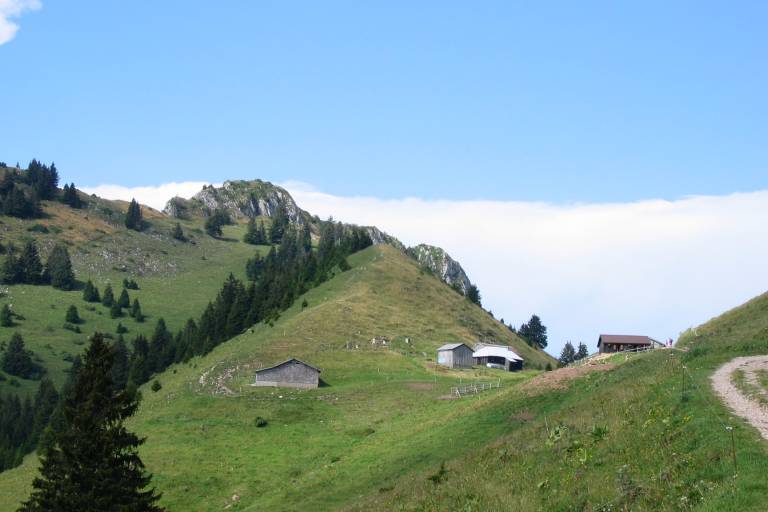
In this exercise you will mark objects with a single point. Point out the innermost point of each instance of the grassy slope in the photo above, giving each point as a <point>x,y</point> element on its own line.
<point>627,439</point>
<point>177,279</point>
<point>378,418</point>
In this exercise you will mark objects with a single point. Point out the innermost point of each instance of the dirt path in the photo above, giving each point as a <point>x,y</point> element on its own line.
<point>748,408</point>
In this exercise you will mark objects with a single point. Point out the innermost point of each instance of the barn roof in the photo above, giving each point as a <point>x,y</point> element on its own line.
<point>289,361</point>
<point>497,351</point>
<point>625,339</point>
<point>452,346</point>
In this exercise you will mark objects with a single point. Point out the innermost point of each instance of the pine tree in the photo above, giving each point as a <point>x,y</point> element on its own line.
<point>58,268</point>
<point>582,352</point>
<point>46,401</point>
<point>115,311</point>
<point>178,233</point>
<point>473,295</point>
<point>91,293</point>
<point>279,224</point>
<point>73,317</point>
<point>6,316</point>
<point>124,301</point>
<point>30,264</point>
<point>93,465</point>
<point>133,218</point>
<point>160,348</point>
<point>70,197</point>
<point>251,233</point>
<point>534,332</point>
<point>135,311</point>
<point>568,355</point>
<point>11,272</point>
<point>121,367</point>
<point>17,360</point>
<point>108,298</point>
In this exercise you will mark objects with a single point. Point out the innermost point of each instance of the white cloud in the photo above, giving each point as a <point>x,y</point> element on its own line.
<point>649,267</point>
<point>154,196</point>
<point>13,9</point>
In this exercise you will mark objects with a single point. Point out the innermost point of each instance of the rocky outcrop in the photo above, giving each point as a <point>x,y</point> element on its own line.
<point>241,199</point>
<point>248,199</point>
<point>439,262</point>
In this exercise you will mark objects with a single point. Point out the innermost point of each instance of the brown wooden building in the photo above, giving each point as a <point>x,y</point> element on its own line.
<point>609,343</point>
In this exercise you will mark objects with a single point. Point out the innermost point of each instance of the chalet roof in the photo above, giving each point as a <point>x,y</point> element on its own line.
<point>289,361</point>
<point>452,346</point>
<point>497,351</point>
<point>625,339</point>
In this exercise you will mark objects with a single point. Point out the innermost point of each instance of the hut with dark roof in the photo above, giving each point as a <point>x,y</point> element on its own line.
<point>609,343</point>
<point>455,355</point>
<point>289,374</point>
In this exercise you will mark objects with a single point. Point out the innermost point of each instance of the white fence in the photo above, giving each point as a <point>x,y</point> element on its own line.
<point>474,388</point>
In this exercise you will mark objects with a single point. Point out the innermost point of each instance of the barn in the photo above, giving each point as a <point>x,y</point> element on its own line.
<point>455,355</point>
<point>501,355</point>
<point>608,343</point>
<point>289,374</point>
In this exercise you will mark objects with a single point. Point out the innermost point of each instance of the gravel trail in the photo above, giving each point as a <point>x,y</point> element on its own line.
<point>747,407</point>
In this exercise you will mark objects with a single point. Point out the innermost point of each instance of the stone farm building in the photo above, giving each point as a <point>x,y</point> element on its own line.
<point>497,354</point>
<point>289,374</point>
<point>609,343</point>
<point>455,355</point>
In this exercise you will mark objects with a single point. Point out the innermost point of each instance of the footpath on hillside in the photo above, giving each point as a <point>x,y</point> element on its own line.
<point>748,407</point>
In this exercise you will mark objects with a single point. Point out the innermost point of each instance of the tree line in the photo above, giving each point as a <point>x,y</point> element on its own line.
<point>26,267</point>
<point>21,190</point>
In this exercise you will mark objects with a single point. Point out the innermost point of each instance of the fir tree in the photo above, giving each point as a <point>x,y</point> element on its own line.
<point>124,301</point>
<point>115,311</point>
<point>93,465</point>
<point>178,233</point>
<point>121,367</point>
<point>473,295</point>
<point>135,311</point>
<point>6,316</point>
<point>108,298</point>
<point>17,360</point>
<point>534,332</point>
<point>214,223</point>
<point>254,235</point>
<point>30,264</point>
<point>133,218</point>
<point>279,224</point>
<point>70,197</point>
<point>73,317</point>
<point>161,351</point>
<point>582,352</point>
<point>46,401</point>
<point>91,293</point>
<point>568,355</point>
<point>11,272</point>
<point>58,268</point>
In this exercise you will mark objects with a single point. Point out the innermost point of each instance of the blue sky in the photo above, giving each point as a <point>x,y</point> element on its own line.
<point>582,160</point>
<point>558,102</point>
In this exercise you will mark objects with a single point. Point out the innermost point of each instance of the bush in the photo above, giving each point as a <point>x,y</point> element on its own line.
<point>121,329</point>
<point>260,422</point>
<point>72,316</point>
<point>72,327</point>
<point>38,228</point>
<point>156,386</point>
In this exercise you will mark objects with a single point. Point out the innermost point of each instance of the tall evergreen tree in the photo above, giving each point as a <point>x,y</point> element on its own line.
<point>473,295</point>
<point>70,197</point>
<point>121,367</point>
<point>17,360</point>
<point>568,355</point>
<point>6,316</point>
<point>134,218</point>
<point>72,316</point>
<point>108,298</point>
<point>58,268</point>
<point>124,301</point>
<point>254,234</point>
<point>279,225</point>
<point>135,311</point>
<point>31,266</point>
<point>93,465</point>
<point>12,272</point>
<point>178,233</point>
<point>46,401</point>
<point>534,332</point>
<point>582,352</point>
<point>91,293</point>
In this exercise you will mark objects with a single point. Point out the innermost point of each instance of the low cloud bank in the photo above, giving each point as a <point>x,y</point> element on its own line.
<point>650,267</point>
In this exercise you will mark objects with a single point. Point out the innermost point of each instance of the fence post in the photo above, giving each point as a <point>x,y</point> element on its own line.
<point>733,450</point>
